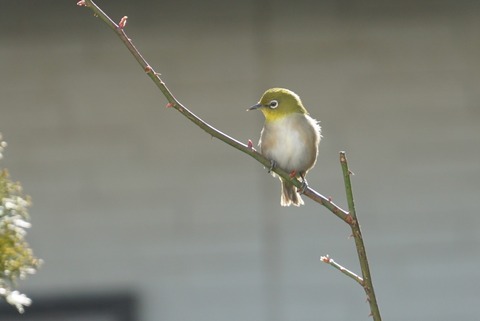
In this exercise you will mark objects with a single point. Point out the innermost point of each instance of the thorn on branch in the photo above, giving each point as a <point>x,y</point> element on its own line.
<point>329,199</point>
<point>351,173</point>
<point>123,22</point>
<point>250,144</point>
<point>82,3</point>
<point>149,70</point>
<point>170,105</point>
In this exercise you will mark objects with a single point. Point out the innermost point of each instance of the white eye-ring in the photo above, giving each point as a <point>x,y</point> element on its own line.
<point>273,104</point>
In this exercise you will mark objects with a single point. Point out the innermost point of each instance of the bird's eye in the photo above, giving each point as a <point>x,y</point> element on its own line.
<point>273,104</point>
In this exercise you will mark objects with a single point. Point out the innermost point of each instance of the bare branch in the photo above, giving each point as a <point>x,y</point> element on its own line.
<point>174,103</point>
<point>348,217</point>
<point>357,235</point>
<point>327,259</point>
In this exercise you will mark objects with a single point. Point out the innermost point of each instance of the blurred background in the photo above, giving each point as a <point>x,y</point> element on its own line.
<point>131,199</point>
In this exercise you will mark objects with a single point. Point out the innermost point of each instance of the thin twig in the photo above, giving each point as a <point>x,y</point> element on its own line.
<point>357,235</point>
<point>348,217</point>
<point>327,259</point>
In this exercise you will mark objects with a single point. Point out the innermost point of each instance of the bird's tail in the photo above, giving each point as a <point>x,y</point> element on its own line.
<point>290,196</point>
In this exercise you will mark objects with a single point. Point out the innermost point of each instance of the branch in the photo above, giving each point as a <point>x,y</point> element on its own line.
<point>327,259</point>
<point>357,235</point>
<point>348,217</point>
<point>174,103</point>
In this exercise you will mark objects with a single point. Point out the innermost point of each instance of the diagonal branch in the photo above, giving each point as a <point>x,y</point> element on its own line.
<point>174,103</point>
<point>348,217</point>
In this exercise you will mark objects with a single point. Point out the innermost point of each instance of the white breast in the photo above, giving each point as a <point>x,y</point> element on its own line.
<point>292,142</point>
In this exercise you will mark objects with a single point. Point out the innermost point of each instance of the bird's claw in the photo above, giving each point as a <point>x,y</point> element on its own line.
<point>304,183</point>
<point>304,186</point>
<point>272,166</point>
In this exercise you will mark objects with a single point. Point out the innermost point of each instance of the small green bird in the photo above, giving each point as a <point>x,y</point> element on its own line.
<point>289,138</point>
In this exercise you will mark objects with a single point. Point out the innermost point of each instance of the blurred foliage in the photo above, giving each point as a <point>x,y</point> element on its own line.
<point>16,257</point>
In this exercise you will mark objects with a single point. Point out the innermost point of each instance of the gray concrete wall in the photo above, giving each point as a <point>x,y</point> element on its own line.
<point>130,195</point>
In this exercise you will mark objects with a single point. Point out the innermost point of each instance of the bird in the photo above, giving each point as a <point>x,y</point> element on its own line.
<point>289,139</point>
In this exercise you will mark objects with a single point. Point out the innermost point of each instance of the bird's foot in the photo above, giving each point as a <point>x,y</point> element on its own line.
<point>304,183</point>
<point>304,186</point>
<point>272,166</point>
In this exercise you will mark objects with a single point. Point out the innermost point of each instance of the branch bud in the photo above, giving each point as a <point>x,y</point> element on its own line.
<point>123,22</point>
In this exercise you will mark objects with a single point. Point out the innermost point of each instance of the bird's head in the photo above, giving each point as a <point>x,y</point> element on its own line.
<point>277,103</point>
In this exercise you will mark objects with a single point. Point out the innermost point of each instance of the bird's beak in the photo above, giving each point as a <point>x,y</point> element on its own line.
<point>255,107</point>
